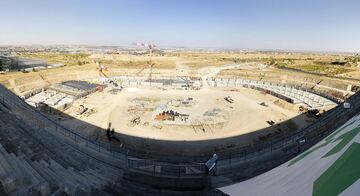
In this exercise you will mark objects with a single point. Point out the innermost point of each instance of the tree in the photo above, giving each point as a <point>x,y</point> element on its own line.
<point>272,61</point>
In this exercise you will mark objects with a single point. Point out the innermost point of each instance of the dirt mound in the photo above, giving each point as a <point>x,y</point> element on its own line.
<point>286,105</point>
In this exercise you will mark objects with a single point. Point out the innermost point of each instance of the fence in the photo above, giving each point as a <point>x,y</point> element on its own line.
<point>329,122</point>
<point>167,169</point>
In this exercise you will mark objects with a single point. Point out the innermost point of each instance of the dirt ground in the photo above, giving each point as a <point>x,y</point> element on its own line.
<point>242,116</point>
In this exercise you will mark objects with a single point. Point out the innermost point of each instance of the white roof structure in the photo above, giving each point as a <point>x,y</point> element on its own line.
<point>331,167</point>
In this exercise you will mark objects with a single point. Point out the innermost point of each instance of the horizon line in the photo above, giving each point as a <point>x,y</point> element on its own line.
<point>187,47</point>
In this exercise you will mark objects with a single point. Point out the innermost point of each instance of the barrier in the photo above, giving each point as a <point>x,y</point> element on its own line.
<point>293,94</point>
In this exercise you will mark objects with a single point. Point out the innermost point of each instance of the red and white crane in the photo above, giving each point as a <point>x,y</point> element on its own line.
<point>101,68</point>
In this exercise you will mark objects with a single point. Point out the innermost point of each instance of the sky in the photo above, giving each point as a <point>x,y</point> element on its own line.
<point>314,25</point>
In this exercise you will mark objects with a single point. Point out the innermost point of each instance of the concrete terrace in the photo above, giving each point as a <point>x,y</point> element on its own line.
<point>331,167</point>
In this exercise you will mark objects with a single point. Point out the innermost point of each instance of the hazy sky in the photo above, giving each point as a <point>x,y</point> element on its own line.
<point>331,25</point>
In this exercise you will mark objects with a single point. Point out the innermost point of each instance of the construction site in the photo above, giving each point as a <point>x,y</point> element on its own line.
<point>203,106</point>
<point>164,129</point>
<point>179,98</point>
<point>171,114</point>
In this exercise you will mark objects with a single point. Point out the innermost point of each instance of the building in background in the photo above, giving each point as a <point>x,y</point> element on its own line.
<point>8,63</point>
<point>24,63</point>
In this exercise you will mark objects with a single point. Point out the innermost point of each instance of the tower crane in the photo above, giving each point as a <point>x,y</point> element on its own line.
<point>102,68</point>
<point>150,63</point>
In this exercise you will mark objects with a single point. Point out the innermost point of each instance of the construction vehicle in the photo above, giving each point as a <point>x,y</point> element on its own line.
<point>263,104</point>
<point>229,99</point>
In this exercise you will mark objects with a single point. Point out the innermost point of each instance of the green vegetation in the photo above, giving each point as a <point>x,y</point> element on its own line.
<point>329,65</point>
<point>340,175</point>
<point>66,59</point>
<point>353,59</point>
<point>235,60</point>
<point>329,70</point>
<point>318,67</point>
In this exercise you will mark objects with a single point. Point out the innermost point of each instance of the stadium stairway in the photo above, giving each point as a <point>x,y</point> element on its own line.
<point>33,162</point>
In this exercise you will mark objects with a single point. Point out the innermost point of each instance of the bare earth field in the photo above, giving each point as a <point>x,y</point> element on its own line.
<point>242,116</point>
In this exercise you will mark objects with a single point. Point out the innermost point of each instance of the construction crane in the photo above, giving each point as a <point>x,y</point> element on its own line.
<point>150,63</point>
<point>102,68</point>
